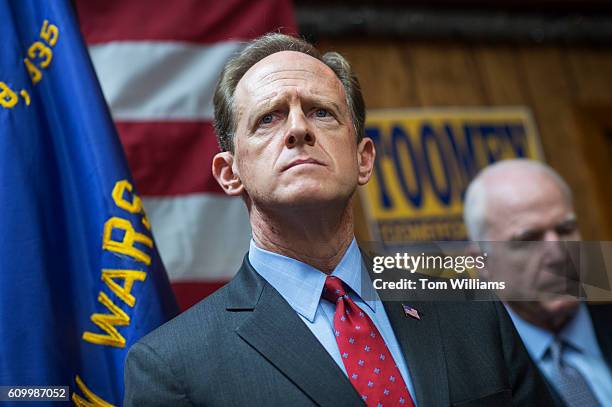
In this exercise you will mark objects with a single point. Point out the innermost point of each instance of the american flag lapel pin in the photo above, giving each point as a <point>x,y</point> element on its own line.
<point>411,312</point>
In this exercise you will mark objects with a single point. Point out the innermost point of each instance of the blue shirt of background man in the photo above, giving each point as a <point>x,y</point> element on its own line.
<point>583,351</point>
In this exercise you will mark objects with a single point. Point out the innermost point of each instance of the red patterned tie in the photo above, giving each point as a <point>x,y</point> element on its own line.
<point>367,360</point>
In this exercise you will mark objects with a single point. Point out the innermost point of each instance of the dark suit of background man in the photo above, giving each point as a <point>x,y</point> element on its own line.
<point>296,327</point>
<point>519,201</point>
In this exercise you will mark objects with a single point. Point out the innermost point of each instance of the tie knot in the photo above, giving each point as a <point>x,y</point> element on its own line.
<point>333,289</point>
<point>557,349</point>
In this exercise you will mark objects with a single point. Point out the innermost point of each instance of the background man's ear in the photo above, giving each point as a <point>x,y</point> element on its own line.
<point>366,154</point>
<point>474,249</point>
<point>225,174</point>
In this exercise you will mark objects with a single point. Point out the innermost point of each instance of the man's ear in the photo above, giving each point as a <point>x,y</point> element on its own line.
<point>225,174</point>
<point>474,249</point>
<point>366,153</point>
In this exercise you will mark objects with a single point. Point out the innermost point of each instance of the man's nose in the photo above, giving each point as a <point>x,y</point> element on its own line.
<point>299,131</point>
<point>554,246</point>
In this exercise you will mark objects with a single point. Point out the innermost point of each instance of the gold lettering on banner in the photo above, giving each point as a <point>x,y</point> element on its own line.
<point>108,323</point>
<point>126,244</point>
<point>93,400</point>
<point>8,98</point>
<point>120,236</point>
<point>49,33</point>
<point>135,206</point>
<point>124,291</point>
<point>40,53</point>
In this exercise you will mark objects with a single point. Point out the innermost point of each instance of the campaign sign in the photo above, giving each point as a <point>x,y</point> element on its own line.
<point>425,161</point>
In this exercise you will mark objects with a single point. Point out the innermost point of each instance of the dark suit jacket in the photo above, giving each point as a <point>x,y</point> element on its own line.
<point>245,346</point>
<point>601,315</point>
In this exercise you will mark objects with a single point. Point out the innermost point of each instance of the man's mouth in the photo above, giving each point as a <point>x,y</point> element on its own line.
<point>301,161</point>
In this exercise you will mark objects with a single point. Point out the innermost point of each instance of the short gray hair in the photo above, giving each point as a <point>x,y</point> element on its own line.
<point>475,204</point>
<point>257,50</point>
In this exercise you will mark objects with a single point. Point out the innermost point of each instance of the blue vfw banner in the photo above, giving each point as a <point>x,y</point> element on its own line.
<point>80,277</point>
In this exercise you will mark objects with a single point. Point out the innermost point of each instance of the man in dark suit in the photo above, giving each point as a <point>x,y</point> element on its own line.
<point>526,208</point>
<point>299,325</point>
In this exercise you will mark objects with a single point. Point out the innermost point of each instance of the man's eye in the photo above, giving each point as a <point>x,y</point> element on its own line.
<point>566,229</point>
<point>267,119</point>
<point>529,236</point>
<point>321,113</point>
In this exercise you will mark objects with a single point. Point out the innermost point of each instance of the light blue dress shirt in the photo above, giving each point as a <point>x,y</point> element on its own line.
<point>301,286</point>
<point>583,353</point>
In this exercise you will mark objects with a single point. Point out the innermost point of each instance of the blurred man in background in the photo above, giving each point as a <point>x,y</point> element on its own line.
<point>296,326</point>
<point>529,206</point>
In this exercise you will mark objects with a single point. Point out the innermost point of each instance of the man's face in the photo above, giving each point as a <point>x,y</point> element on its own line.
<point>295,143</point>
<point>531,214</point>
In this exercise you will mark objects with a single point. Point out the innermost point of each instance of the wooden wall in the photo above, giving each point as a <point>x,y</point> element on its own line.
<point>569,90</point>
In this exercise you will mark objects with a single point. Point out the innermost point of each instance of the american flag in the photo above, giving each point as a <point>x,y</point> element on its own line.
<point>158,62</point>
<point>411,312</point>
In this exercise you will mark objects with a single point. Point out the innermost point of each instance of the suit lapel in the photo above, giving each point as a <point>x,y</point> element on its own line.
<point>421,344</point>
<point>275,331</point>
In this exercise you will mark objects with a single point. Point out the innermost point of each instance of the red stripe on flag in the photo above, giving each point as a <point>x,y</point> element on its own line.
<point>170,158</point>
<point>190,293</point>
<point>182,20</point>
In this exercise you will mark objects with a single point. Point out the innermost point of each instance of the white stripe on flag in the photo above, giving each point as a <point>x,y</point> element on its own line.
<point>160,80</point>
<point>201,237</point>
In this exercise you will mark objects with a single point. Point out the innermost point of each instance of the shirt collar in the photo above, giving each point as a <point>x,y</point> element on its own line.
<point>351,270</point>
<point>301,285</point>
<point>578,332</point>
<point>537,340</point>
